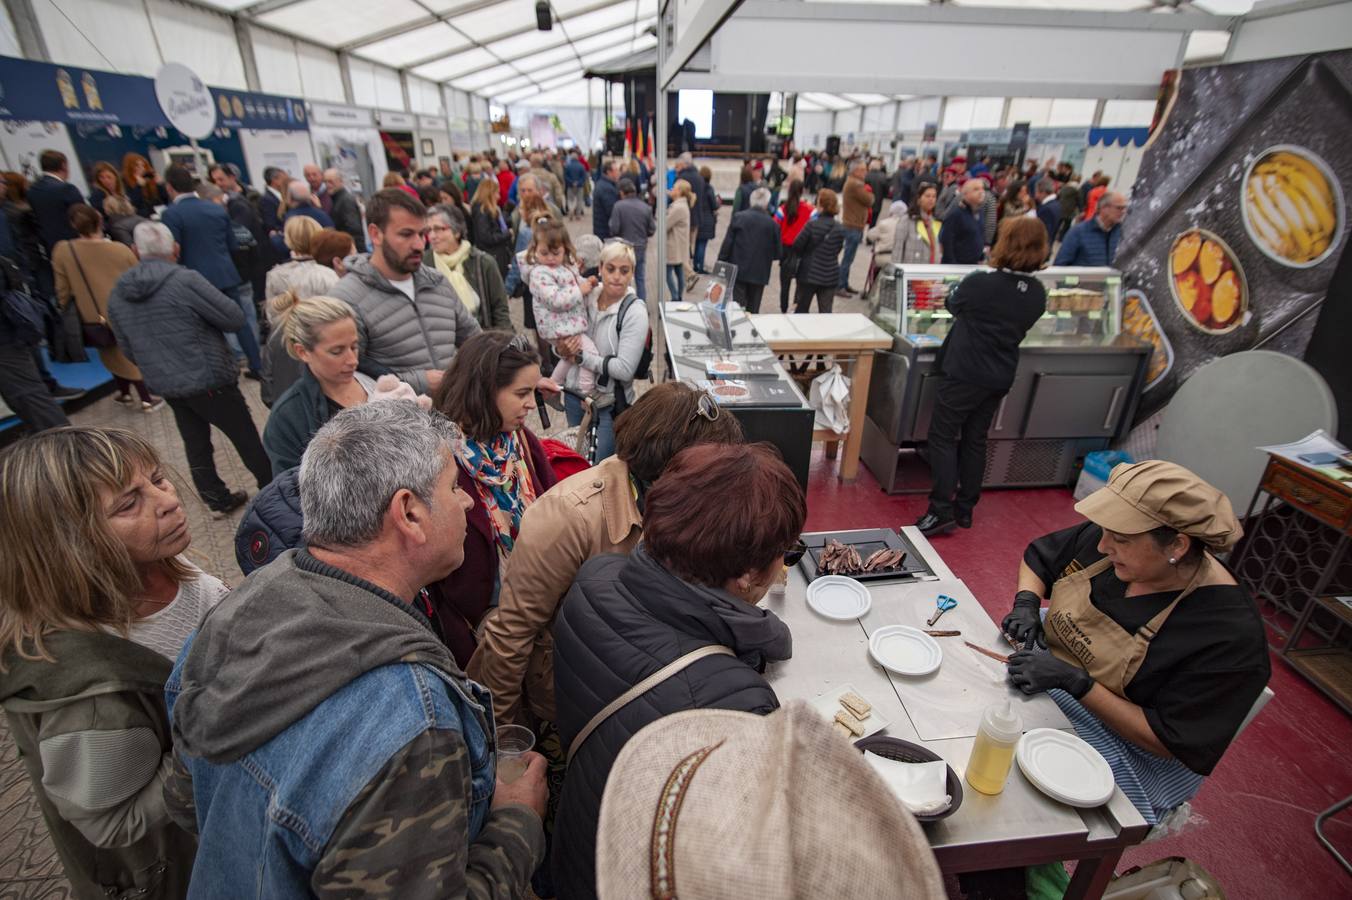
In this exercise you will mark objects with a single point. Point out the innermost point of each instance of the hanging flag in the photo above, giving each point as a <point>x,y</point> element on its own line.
<point>628,139</point>
<point>639,139</point>
<point>652,148</point>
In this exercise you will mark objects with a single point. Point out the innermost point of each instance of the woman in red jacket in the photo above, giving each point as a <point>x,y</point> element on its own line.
<point>792,216</point>
<point>489,391</point>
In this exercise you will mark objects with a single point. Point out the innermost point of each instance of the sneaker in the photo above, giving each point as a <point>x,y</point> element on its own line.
<point>124,399</point>
<point>153,405</point>
<point>931,525</point>
<point>233,501</point>
<point>253,375</point>
<point>964,520</point>
<point>61,392</point>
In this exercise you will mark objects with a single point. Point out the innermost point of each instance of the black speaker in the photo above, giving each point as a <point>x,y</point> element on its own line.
<point>790,430</point>
<point>543,20</point>
<point>833,145</point>
<point>615,142</point>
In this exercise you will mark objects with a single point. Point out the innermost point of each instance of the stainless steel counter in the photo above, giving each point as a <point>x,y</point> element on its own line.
<point>1021,826</point>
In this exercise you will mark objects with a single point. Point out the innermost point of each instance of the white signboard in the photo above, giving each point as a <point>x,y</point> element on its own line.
<point>185,100</point>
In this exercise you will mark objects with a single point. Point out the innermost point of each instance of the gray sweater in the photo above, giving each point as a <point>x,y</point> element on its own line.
<point>408,337</point>
<point>172,323</point>
<point>632,221</point>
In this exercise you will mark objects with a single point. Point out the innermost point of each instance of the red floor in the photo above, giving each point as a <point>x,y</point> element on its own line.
<point>1253,822</point>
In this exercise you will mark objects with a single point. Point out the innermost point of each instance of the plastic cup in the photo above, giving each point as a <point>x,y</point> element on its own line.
<point>514,741</point>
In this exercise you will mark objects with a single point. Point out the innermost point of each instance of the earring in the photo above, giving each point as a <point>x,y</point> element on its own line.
<point>1173,561</point>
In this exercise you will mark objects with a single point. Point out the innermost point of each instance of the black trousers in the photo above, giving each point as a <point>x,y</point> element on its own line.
<point>825,294</point>
<point>22,388</point>
<point>957,445</point>
<point>785,282</point>
<point>225,408</point>
<point>748,296</point>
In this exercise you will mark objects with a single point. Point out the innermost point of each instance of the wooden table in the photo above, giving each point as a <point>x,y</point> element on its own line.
<point>1295,558</point>
<point>846,338</point>
<point>1020,826</point>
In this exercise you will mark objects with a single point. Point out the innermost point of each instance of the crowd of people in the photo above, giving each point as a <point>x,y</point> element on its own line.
<point>423,569</point>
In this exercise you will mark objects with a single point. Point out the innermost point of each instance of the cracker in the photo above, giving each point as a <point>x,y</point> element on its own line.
<point>842,730</point>
<point>854,725</point>
<point>856,705</point>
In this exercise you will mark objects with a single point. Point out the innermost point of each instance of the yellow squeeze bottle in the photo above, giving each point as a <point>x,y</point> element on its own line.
<point>993,752</point>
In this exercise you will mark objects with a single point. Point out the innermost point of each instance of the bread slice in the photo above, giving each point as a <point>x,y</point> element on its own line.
<point>856,727</point>
<point>856,705</point>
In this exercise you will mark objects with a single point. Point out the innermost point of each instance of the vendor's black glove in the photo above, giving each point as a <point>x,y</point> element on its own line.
<point>1024,623</point>
<point>1034,671</point>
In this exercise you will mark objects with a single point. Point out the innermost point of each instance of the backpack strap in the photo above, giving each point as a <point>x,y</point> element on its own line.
<point>672,668</point>
<point>630,299</point>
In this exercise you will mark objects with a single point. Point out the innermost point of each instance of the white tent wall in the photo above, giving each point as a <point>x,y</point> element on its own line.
<point>1287,27</point>
<point>288,66</point>
<point>375,86</point>
<point>137,39</point>
<point>437,130</point>
<point>9,39</point>
<point>811,128</point>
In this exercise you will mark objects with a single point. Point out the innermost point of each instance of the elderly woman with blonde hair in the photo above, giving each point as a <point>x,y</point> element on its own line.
<point>96,601</point>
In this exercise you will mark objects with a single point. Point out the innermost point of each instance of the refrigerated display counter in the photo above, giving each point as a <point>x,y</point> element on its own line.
<point>1076,388</point>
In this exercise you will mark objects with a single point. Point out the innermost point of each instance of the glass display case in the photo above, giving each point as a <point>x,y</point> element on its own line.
<point>912,302</point>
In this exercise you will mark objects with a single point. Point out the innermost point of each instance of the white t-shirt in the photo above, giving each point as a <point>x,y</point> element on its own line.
<point>406,286</point>
<point>166,631</point>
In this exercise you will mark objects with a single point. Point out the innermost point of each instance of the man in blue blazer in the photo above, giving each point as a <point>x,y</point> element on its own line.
<point>206,242</point>
<point>51,197</point>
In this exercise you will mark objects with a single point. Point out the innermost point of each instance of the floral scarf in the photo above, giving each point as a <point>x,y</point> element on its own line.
<point>505,484</point>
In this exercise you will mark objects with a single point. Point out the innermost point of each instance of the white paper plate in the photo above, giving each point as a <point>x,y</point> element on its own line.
<point>1065,767</point>
<point>838,597</point>
<point>828,705</point>
<point>905,650</point>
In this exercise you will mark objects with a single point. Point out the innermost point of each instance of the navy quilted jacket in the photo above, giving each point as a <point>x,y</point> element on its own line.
<point>624,618</point>
<point>172,323</point>
<point>271,523</point>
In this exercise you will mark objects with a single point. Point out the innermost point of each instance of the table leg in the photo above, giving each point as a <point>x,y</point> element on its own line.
<point>861,371</point>
<point>1092,876</point>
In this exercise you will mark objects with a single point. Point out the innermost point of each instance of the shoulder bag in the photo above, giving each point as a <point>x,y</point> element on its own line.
<point>96,334</point>
<point>672,668</point>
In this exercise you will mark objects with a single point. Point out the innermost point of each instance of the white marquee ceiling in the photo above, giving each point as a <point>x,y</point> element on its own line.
<point>492,47</point>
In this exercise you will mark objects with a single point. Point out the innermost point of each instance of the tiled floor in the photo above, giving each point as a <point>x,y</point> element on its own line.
<point>1253,821</point>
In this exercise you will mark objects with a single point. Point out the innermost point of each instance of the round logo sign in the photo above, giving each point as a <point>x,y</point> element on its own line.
<point>186,101</point>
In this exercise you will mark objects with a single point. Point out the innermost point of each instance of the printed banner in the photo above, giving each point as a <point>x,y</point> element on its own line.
<point>242,109</point>
<point>1238,216</point>
<point>50,93</point>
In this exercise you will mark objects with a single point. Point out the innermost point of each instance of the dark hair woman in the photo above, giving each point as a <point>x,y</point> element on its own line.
<point>792,216</point>
<point>992,311</point>
<point>1015,201</point>
<point>107,183</point>
<point>23,222</point>
<point>818,249</point>
<point>692,585</point>
<point>96,601</point>
<point>917,239</point>
<point>489,390</point>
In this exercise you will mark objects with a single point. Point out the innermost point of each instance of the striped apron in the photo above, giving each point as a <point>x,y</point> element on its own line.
<point>1078,633</point>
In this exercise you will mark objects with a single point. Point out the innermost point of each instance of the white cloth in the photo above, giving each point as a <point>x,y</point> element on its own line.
<point>166,631</point>
<point>921,787</point>
<point>405,287</point>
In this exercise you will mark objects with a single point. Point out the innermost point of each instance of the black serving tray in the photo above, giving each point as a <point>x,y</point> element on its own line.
<point>866,541</point>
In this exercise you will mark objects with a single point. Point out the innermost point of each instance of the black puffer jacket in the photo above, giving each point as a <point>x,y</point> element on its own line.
<point>818,246</point>
<point>624,618</point>
<point>271,523</point>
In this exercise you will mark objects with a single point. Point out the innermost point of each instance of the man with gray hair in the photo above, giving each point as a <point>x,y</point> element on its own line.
<point>751,243</point>
<point>171,322</point>
<point>1094,243</point>
<point>346,212</point>
<point>321,689</point>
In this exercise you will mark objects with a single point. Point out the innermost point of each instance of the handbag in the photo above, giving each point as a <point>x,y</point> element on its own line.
<point>95,334</point>
<point>789,264</point>
<point>672,668</point>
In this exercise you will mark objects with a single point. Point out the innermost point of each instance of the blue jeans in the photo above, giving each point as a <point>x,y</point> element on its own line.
<point>248,335</point>
<point>852,238</point>
<point>640,269</point>
<point>701,244</point>
<point>605,426</point>
<point>676,281</point>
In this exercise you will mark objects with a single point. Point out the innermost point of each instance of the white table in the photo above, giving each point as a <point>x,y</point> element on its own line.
<point>1019,827</point>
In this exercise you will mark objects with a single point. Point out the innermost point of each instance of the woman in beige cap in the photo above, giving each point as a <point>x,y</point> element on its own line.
<point>1157,654</point>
